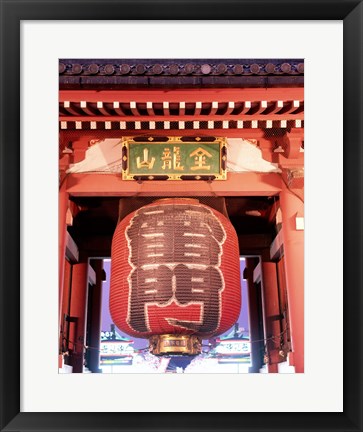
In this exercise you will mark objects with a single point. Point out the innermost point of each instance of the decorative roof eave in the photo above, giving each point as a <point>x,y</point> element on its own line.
<point>158,126</point>
<point>139,73</point>
<point>177,104</point>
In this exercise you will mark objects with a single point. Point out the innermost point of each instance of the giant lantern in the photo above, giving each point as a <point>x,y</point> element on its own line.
<point>175,275</point>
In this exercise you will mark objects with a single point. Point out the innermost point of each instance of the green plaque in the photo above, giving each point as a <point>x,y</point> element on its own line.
<point>174,159</point>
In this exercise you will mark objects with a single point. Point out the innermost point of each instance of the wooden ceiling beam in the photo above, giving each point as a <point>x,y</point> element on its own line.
<point>237,184</point>
<point>72,135</point>
<point>196,117</point>
<point>187,95</point>
<point>118,109</point>
<point>86,109</point>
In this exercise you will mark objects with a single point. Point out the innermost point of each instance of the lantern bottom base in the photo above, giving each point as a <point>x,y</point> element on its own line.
<point>173,344</point>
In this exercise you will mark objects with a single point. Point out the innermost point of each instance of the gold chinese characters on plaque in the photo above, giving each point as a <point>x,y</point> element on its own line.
<point>174,158</point>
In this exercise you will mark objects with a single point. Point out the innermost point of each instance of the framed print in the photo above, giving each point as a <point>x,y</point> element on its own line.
<point>180,294</point>
<point>43,42</point>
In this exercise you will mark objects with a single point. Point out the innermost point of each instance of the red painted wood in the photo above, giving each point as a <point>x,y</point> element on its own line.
<point>271,310</point>
<point>253,318</point>
<point>62,212</point>
<point>78,311</point>
<point>65,303</point>
<point>237,184</point>
<point>294,266</point>
<point>79,149</point>
<point>186,95</point>
<point>95,330</point>
<point>199,117</point>
<point>72,135</point>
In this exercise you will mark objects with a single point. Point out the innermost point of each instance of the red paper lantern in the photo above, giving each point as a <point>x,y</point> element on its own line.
<point>175,275</point>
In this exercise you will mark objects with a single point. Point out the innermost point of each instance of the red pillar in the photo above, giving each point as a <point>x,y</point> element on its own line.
<point>65,310</point>
<point>62,231</point>
<point>271,314</point>
<point>78,314</point>
<point>95,330</point>
<point>253,317</point>
<point>291,205</point>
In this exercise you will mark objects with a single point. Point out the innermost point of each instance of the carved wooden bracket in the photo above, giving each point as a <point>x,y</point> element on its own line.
<point>79,149</point>
<point>292,143</point>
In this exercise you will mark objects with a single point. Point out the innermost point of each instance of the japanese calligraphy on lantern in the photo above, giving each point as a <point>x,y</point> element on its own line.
<point>185,271</point>
<point>174,158</point>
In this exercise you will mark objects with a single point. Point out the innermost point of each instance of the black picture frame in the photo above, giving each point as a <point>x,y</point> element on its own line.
<point>12,12</point>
